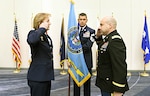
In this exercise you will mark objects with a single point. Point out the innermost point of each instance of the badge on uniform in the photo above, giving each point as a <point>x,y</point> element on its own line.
<point>41,38</point>
<point>104,47</point>
<point>86,34</point>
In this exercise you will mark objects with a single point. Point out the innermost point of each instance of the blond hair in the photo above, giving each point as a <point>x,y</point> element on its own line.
<point>38,19</point>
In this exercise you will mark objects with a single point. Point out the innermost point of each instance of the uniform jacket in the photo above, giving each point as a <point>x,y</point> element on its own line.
<point>41,67</point>
<point>112,67</point>
<point>86,43</point>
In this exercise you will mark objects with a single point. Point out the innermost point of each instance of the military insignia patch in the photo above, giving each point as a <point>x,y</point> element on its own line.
<point>41,38</point>
<point>104,47</point>
<point>74,44</point>
<point>86,34</point>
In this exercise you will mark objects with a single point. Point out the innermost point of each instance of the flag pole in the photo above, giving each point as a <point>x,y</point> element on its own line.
<point>129,74</point>
<point>95,72</point>
<point>16,69</point>
<point>69,62</point>
<point>144,73</point>
<point>69,85</point>
<point>63,72</point>
<point>112,14</point>
<point>72,1</point>
<point>30,60</point>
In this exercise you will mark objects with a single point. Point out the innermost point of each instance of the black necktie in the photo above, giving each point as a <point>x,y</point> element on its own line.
<point>81,31</point>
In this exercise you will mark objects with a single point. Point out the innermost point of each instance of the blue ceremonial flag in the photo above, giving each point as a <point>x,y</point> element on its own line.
<point>78,69</point>
<point>62,44</point>
<point>146,43</point>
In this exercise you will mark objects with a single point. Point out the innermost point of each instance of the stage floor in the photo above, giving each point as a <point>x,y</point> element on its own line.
<point>15,84</point>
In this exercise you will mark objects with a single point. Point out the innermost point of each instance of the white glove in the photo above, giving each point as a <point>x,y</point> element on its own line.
<point>92,37</point>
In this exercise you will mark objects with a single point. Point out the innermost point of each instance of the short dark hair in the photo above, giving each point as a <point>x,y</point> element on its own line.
<point>82,14</point>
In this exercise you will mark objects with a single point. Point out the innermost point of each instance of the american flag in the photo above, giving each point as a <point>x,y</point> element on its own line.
<point>16,47</point>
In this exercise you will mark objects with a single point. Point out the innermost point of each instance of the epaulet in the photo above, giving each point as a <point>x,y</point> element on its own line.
<point>116,37</point>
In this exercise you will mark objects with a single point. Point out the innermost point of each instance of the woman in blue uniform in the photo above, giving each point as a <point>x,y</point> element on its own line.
<point>41,70</point>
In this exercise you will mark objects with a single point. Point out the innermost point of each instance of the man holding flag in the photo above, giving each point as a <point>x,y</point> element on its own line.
<point>79,52</point>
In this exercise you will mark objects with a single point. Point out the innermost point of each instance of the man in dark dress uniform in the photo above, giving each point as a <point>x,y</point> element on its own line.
<point>112,67</point>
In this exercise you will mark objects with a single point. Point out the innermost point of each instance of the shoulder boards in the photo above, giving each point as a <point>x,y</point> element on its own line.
<point>116,37</point>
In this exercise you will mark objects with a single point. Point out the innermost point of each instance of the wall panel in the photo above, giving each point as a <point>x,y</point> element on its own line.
<point>129,14</point>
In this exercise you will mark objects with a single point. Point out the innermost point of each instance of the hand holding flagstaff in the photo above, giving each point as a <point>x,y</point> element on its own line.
<point>68,63</point>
